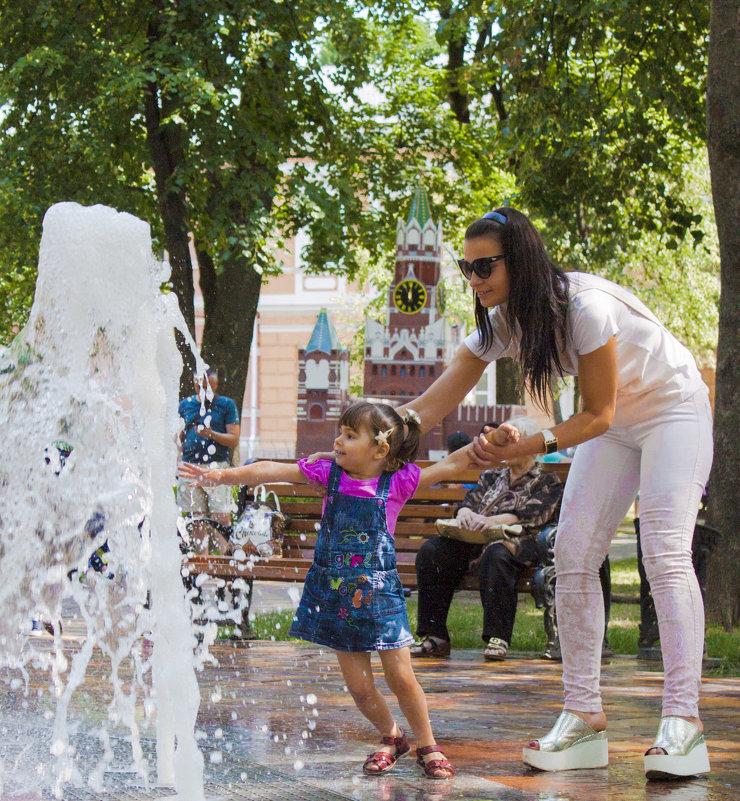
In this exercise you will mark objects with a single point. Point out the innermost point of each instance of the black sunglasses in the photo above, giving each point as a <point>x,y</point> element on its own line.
<point>481,267</point>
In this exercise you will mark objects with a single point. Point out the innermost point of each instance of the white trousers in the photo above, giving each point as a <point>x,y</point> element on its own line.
<point>666,458</point>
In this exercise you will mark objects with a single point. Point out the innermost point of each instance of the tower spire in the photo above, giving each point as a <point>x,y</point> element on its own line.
<point>324,336</point>
<point>420,210</point>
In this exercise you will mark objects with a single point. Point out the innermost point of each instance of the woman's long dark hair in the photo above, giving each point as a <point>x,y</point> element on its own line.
<point>538,301</point>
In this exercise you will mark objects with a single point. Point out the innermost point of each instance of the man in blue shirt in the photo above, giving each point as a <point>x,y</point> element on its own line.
<point>211,431</point>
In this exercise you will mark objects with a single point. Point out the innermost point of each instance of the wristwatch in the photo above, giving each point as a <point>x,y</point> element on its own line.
<point>551,441</point>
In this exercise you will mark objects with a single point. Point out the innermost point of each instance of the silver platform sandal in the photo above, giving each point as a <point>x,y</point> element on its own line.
<point>571,744</point>
<point>685,751</point>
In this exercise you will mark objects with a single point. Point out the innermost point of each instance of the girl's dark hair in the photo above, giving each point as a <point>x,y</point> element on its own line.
<point>538,300</point>
<point>380,417</point>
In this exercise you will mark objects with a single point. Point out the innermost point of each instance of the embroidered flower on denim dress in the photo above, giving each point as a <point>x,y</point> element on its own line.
<point>344,614</point>
<point>350,534</point>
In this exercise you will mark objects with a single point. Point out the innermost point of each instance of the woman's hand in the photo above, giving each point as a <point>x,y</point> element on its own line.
<point>469,519</point>
<point>199,476</point>
<point>502,435</point>
<point>484,453</point>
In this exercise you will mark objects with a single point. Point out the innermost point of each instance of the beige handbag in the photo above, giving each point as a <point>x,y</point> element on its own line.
<point>260,528</point>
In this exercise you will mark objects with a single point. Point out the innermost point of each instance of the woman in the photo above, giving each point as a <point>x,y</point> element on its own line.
<point>645,425</point>
<point>520,493</point>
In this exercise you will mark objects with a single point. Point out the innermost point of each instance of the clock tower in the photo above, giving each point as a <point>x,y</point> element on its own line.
<point>406,353</point>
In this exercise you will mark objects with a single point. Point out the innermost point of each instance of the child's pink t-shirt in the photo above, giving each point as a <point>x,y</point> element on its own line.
<point>403,485</point>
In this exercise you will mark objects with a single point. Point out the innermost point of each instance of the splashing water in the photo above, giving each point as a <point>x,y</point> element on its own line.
<point>89,394</point>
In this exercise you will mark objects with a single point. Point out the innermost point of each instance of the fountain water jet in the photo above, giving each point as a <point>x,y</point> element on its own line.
<point>89,393</point>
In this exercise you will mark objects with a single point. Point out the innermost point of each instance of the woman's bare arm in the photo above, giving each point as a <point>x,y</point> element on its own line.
<point>597,381</point>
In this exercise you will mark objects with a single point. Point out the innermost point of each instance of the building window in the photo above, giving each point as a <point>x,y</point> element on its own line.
<point>393,369</point>
<point>403,373</point>
<point>413,370</point>
<point>383,370</point>
<point>316,412</point>
<point>431,372</point>
<point>375,369</point>
<point>421,372</point>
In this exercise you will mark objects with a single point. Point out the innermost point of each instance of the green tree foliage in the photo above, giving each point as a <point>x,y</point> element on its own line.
<point>244,122</point>
<point>219,119</point>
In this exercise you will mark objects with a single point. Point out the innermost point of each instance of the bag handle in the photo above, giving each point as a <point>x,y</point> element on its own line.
<point>261,495</point>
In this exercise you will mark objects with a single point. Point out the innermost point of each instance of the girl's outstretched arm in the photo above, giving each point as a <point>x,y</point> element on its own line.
<point>463,458</point>
<point>251,474</point>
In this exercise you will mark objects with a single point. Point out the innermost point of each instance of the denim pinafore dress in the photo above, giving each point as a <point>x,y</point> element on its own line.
<point>353,598</point>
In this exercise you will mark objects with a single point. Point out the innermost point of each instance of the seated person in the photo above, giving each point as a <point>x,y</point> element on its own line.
<point>519,493</point>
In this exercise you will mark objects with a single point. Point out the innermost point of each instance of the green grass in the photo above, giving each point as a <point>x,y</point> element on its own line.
<point>465,622</point>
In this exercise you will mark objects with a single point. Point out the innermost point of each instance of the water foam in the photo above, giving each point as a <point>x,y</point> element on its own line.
<point>89,394</point>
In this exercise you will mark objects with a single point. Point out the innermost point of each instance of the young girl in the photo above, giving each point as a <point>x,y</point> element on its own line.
<point>353,599</point>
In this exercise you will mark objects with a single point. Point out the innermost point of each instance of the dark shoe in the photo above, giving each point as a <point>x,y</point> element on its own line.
<point>429,648</point>
<point>435,768</point>
<point>384,761</point>
<point>552,652</point>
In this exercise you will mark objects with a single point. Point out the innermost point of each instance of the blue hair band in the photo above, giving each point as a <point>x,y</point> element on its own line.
<point>494,215</point>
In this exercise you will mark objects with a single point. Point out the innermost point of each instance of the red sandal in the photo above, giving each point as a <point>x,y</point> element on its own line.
<point>384,760</point>
<point>435,768</point>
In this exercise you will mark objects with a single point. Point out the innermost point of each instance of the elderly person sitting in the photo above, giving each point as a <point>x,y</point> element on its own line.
<point>519,493</point>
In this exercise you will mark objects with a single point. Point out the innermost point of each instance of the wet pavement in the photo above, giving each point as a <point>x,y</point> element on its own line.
<point>276,723</point>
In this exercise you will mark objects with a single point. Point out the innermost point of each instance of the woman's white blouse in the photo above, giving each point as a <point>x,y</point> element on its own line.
<point>655,371</point>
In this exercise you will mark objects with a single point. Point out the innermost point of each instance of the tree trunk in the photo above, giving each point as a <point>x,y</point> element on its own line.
<point>509,382</point>
<point>230,301</point>
<point>723,133</point>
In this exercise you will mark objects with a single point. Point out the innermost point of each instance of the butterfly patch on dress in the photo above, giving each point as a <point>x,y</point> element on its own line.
<point>358,599</point>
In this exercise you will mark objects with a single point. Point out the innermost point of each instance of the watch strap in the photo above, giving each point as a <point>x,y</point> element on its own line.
<point>551,441</point>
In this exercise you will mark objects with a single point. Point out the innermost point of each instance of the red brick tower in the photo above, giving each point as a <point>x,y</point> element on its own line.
<point>323,388</point>
<point>406,354</point>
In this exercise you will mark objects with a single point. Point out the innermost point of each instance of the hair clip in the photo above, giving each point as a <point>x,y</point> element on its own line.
<point>410,416</point>
<point>382,436</point>
<point>494,215</point>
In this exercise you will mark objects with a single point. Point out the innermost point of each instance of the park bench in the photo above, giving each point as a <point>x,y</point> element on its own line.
<point>301,505</point>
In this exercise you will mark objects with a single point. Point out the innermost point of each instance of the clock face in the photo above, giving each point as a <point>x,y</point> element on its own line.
<point>410,296</point>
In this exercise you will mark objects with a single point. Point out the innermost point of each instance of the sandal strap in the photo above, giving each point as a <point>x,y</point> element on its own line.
<point>437,764</point>
<point>401,743</point>
<point>381,758</point>
<point>429,749</point>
